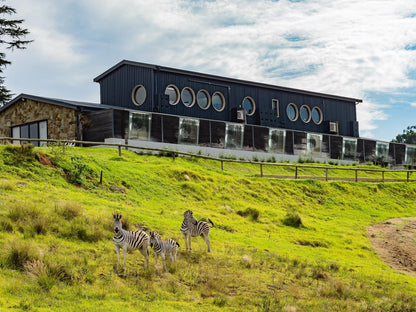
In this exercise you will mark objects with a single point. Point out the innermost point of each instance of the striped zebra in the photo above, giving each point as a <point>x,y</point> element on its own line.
<point>129,240</point>
<point>191,228</point>
<point>163,247</point>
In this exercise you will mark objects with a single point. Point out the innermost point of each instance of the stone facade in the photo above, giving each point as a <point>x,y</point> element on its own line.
<point>62,121</point>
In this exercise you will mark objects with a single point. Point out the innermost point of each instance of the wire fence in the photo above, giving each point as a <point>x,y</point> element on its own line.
<point>285,170</point>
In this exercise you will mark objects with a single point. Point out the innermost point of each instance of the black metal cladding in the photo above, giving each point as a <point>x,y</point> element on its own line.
<point>117,84</point>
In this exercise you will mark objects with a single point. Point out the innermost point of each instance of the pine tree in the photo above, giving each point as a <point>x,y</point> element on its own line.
<point>11,34</point>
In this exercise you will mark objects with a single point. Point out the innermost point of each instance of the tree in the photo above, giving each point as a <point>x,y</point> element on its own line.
<point>408,136</point>
<point>11,37</point>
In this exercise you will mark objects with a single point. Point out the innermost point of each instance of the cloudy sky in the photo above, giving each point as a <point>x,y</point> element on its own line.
<point>355,48</point>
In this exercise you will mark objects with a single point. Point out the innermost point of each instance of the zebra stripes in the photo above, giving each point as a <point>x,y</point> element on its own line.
<point>129,240</point>
<point>191,228</point>
<point>163,247</point>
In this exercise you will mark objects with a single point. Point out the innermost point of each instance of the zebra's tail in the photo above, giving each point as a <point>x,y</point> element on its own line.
<point>211,222</point>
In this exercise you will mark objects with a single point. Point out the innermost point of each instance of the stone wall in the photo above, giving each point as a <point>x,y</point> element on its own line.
<point>62,121</point>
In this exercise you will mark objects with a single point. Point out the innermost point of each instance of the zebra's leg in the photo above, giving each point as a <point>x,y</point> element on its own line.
<point>162,255</point>
<point>186,243</point>
<point>124,255</point>
<point>145,254</point>
<point>189,237</point>
<point>206,239</point>
<point>118,254</point>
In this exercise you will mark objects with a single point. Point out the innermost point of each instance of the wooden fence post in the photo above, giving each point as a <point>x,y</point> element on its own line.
<point>356,175</point>
<point>261,170</point>
<point>296,172</point>
<point>101,177</point>
<point>222,165</point>
<point>326,174</point>
<point>119,150</point>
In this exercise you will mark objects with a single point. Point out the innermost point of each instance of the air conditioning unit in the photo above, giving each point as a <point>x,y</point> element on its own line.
<point>333,126</point>
<point>241,115</point>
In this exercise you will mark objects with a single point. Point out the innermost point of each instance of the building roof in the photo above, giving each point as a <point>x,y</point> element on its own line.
<point>225,79</point>
<point>59,102</point>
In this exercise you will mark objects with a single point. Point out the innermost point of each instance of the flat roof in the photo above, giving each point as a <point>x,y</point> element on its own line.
<point>224,79</point>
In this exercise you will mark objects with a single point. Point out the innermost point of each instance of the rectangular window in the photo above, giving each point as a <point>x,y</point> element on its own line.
<point>188,131</point>
<point>349,149</point>
<point>234,136</point>
<point>314,144</point>
<point>139,126</point>
<point>410,158</point>
<point>16,134</point>
<point>382,151</point>
<point>43,132</point>
<point>34,133</point>
<point>277,139</point>
<point>275,107</point>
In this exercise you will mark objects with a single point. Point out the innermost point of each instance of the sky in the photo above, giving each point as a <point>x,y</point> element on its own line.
<point>362,49</point>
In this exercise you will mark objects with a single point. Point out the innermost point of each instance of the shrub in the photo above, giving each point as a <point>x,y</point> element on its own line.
<point>252,213</point>
<point>293,219</point>
<point>18,253</point>
<point>7,185</point>
<point>69,209</point>
<point>220,301</point>
<point>18,154</point>
<point>6,226</point>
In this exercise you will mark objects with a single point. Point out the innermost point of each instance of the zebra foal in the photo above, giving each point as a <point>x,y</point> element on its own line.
<point>129,240</point>
<point>192,228</point>
<point>163,247</point>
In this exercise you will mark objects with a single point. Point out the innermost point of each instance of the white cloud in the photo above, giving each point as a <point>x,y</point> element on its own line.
<point>343,47</point>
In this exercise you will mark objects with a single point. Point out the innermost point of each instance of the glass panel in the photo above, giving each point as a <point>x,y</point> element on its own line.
<point>316,115</point>
<point>291,112</point>
<point>43,132</point>
<point>188,131</point>
<point>410,158</point>
<point>314,144</point>
<point>202,99</point>
<point>349,149</point>
<point>34,133</point>
<point>173,95</point>
<point>218,101</point>
<point>140,95</point>
<point>248,106</point>
<point>277,139</point>
<point>234,136</point>
<point>187,97</point>
<point>382,151</point>
<point>304,113</point>
<point>139,126</point>
<point>16,134</point>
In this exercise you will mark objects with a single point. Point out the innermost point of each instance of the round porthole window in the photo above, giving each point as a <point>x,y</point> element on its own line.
<point>218,101</point>
<point>188,97</point>
<point>203,99</point>
<point>249,106</point>
<point>305,113</point>
<point>138,95</point>
<point>292,112</point>
<point>317,115</point>
<point>173,93</point>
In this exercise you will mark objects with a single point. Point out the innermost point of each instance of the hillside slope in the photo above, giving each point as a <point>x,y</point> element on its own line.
<point>277,245</point>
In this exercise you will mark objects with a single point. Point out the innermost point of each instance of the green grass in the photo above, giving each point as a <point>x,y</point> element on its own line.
<point>57,254</point>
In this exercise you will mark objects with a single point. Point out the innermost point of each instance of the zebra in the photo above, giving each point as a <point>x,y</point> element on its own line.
<point>163,247</point>
<point>191,228</point>
<point>129,240</point>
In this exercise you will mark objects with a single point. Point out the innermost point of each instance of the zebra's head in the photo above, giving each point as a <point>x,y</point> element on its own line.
<point>117,222</point>
<point>189,216</point>
<point>154,237</point>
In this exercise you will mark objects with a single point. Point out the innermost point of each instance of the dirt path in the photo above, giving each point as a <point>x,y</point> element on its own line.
<point>395,242</point>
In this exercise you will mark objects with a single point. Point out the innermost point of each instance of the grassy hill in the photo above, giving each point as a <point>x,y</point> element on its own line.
<point>277,245</point>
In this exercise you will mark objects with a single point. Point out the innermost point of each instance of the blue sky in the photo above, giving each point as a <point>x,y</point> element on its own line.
<point>353,48</point>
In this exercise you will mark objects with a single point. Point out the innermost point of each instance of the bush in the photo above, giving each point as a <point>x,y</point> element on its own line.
<point>252,213</point>
<point>18,154</point>
<point>69,209</point>
<point>293,219</point>
<point>18,253</point>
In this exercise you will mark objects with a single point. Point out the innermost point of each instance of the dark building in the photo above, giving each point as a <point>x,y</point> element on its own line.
<point>154,106</point>
<point>152,88</point>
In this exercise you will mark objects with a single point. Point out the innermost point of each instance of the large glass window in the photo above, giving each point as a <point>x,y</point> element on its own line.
<point>349,148</point>
<point>203,99</point>
<point>188,131</point>
<point>173,92</point>
<point>218,101</point>
<point>275,107</point>
<point>277,139</point>
<point>410,158</point>
<point>292,112</point>
<point>139,126</point>
<point>314,144</point>
<point>188,97</point>
<point>16,134</point>
<point>316,115</point>
<point>139,95</point>
<point>249,106</point>
<point>305,113</point>
<point>382,151</point>
<point>234,136</point>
